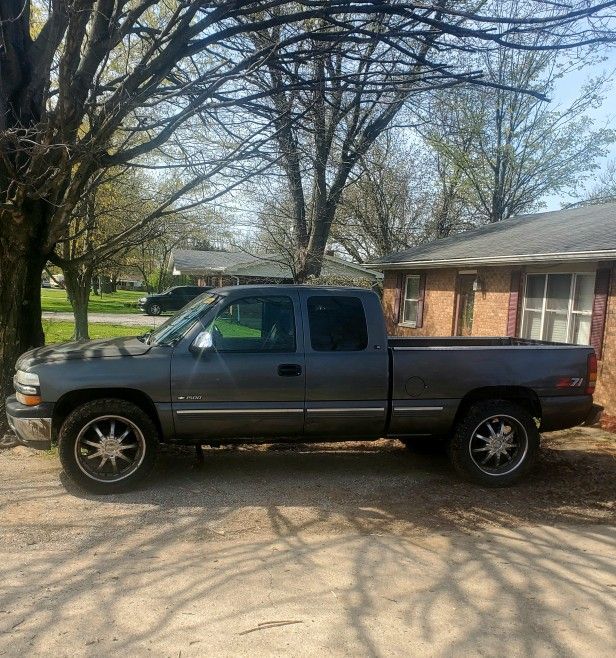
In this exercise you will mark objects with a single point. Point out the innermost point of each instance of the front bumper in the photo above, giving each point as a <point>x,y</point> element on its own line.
<point>32,425</point>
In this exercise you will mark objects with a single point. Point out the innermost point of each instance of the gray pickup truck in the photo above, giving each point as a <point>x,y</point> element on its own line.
<point>295,363</point>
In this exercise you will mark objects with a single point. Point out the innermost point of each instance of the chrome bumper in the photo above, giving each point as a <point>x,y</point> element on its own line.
<point>32,432</point>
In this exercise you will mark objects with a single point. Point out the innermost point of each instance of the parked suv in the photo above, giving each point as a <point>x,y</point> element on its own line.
<point>171,300</point>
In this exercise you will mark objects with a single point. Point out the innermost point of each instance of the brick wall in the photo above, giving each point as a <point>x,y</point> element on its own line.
<point>606,384</point>
<point>438,304</point>
<point>492,303</point>
<point>490,314</point>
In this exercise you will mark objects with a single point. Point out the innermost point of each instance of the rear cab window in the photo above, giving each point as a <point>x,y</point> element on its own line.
<point>337,323</point>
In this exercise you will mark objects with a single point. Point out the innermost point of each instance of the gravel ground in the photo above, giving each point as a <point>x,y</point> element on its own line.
<point>127,319</point>
<point>352,549</point>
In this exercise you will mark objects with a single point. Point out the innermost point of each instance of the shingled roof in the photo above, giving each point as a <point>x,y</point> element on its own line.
<point>269,266</point>
<point>580,234</point>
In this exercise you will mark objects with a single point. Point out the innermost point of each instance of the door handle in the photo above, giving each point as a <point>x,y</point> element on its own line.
<point>289,370</point>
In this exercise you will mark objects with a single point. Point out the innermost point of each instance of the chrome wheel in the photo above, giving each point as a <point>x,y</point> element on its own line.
<point>109,448</point>
<point>154,309</point>
<point>498,445</point>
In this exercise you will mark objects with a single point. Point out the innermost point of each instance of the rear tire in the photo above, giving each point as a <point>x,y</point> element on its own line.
<point>495,444</point>
<point>108,445</point>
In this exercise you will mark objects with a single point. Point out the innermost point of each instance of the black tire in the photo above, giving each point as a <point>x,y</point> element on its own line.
<point>119,468</point>
<point>429,445</point>
<point>153,309</point>
<point>481,455</point>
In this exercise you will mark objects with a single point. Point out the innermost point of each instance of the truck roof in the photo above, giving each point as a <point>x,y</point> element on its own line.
<point>285,287</point>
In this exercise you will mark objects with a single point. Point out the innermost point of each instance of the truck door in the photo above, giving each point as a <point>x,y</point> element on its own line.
<point>346,366</point>
<point>250,382</point>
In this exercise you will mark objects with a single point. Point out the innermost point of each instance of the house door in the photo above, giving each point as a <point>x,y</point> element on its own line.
<point>465,305</point>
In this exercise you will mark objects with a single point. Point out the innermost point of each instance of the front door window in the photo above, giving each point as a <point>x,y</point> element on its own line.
<point>255,324</point>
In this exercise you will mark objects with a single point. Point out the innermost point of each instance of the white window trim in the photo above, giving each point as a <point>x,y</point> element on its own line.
<point>402,322</point>
<point>570,311</point>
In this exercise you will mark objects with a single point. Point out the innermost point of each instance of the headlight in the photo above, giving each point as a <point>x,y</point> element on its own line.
<point>27,378</point>
<point>27,388</point>
<point>142,300</point>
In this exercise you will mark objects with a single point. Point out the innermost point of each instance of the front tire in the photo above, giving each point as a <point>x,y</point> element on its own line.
<point>495,444</point>
<point>108,445</point>
<point>153,309</point>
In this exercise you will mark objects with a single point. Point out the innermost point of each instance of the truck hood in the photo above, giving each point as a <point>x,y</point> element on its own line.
<point>89,349</point>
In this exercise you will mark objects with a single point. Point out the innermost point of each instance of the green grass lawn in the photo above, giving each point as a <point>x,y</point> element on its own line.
<point>113,302</point>
<point>233,330</point>
<point>60,332</point>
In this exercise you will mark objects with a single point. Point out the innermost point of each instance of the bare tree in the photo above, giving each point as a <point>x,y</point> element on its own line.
<point>390,205</point>
<point>506,149</point>
<point>604,188</point>
<point>189,230</point>
<point>114,202</point>
<point>324,132</point>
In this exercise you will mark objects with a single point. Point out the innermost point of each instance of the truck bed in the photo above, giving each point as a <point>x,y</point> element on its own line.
<point>433,377</point>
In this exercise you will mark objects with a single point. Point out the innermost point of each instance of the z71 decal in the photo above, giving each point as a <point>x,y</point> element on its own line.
<point>570,382</point>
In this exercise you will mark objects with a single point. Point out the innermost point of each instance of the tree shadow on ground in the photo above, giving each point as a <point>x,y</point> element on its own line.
<point>380,485</point>
<point>366,547</point>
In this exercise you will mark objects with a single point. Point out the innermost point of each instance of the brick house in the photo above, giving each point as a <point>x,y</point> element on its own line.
<point>549,276</point>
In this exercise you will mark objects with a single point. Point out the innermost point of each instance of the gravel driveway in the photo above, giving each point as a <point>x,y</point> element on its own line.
<point>358,549</point>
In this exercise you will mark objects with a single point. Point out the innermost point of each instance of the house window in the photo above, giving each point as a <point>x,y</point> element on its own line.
<point>558,307</point>
<point>412,294</point>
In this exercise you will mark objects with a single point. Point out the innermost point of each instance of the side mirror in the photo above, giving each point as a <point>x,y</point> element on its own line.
<point>202,342</point>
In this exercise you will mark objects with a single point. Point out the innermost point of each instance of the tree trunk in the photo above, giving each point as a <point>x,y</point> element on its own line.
<point>78,285</point>
<point>32,333</point>
<point>162,272</point>
<point>310,264</point>
<point>311,258</point>
<point>20,311</point>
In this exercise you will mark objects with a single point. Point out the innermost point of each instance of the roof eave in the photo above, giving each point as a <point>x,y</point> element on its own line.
<point>581,256</point>
<point>348,264</point>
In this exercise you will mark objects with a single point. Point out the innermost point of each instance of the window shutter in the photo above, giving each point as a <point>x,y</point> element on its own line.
<point>599,310</point>
<point>420,303</point>
<point>398,297</point>
<point>514,303</point>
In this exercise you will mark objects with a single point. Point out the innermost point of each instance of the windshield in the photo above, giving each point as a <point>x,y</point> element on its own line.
<point>176,327</point>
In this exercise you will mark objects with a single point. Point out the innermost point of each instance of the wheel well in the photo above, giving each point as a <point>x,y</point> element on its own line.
<point>73,399</point>
<point>525,397</point>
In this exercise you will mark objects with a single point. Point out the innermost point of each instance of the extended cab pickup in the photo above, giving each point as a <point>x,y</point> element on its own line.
<point>271,363</point>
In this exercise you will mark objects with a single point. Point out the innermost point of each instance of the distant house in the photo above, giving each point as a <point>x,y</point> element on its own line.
<point>234,267</point>
<point>127,281</point>
<point>548,276</point>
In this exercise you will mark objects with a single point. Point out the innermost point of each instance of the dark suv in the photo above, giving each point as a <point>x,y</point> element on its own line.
<point>171,300</point>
